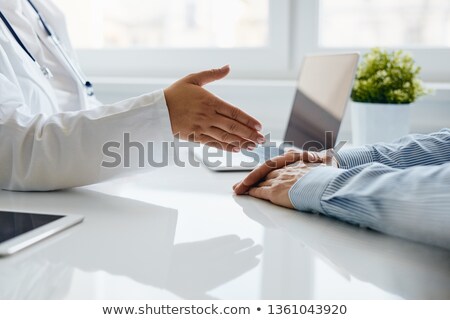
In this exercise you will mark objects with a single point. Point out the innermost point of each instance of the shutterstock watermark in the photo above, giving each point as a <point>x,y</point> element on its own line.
<point>128,153</point>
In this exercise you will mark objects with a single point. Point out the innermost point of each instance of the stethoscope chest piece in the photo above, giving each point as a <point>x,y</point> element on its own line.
<point>46,72</point>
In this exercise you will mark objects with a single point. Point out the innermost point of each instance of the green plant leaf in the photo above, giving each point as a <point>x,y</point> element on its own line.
<point>388,77</point>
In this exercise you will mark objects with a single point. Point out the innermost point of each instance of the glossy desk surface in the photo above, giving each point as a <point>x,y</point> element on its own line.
<point>180,233</point>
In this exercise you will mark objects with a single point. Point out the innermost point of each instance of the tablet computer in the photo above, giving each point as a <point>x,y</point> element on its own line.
<point>19,230</point>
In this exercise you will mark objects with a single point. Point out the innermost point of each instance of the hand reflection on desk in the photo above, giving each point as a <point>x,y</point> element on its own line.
<point>199,267</point>
<point>406,269</point>
<point>140,247</point>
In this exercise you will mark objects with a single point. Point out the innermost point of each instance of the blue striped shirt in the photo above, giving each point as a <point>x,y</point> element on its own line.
<point>401,189</point>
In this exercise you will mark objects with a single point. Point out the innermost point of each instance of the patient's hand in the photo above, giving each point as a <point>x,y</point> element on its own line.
<point>272,180</point>
<point>290,157</point>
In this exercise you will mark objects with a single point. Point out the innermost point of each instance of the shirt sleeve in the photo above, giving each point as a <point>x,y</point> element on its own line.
<point>412,203</point>
<point>409,151</point>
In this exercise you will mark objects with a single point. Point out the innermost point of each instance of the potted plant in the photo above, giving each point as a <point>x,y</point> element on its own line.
<point>386,85</point>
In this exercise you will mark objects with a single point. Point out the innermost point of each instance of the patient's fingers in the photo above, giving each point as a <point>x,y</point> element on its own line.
<point>261,193</point>
<point>265,183</point>
<point>262,171</point>
<point>274,174</point>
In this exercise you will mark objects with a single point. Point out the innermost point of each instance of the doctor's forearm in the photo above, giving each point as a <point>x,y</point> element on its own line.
<point>65,150</point>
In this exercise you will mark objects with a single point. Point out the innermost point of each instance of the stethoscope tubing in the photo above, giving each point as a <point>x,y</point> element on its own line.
<point>88,86</point>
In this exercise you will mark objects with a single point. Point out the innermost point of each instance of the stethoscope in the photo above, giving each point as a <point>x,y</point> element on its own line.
<point>45,71</point>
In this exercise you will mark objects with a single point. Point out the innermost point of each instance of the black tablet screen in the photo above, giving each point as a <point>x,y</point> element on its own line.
<point>13,224</point>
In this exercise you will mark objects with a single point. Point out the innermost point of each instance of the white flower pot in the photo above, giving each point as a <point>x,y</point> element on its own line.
<point>374,122</point>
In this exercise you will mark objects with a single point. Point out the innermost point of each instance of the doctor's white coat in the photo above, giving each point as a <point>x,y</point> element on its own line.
<point>51,132</point>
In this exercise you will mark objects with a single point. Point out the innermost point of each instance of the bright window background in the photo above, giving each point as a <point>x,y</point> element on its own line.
<point>96,24</point>
<point>390,23</point>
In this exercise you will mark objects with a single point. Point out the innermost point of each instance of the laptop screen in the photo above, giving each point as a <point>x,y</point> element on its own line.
<point>323,90</point>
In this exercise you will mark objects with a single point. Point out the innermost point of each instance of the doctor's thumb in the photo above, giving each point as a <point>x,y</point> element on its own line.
<point>205,77</point>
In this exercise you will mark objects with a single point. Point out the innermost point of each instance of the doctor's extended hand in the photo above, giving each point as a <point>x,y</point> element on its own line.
<point>272,180</point>
<point>199,116</point>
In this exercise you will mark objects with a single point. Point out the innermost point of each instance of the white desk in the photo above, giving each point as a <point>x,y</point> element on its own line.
<point>180,233</point>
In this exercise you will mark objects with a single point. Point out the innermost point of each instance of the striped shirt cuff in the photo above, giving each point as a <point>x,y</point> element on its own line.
<point>306,193</point>
<point>354,157</point>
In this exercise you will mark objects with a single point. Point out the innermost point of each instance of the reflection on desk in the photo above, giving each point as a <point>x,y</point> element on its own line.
<point>211,245</point>
<point>135,243</point>
<point>407,269</point>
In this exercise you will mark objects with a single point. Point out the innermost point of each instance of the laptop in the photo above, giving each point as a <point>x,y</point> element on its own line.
<point>323,90</point>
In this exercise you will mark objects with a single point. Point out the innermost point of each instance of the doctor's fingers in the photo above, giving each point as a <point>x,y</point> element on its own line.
<point>238,129</point>
<point>229,138</point>
<point>210,141</point>
<point>208,76</point>
<point>231,112</point>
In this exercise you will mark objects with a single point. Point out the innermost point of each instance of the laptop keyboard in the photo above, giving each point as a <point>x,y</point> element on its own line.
<point>250,159</point>
<point>244,159</point>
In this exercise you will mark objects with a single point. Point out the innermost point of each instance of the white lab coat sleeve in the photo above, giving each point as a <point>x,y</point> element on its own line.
<point>42,152</point>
